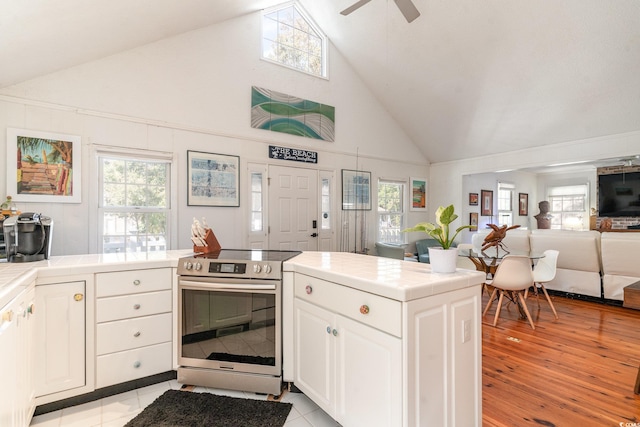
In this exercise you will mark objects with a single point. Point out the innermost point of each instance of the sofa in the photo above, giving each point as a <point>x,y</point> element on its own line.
<point>388,250</point>
<point>579,266</point>
<point>515,240</point>
<point>590,263</point>
<point>620,263</point>
<point>578,269</point>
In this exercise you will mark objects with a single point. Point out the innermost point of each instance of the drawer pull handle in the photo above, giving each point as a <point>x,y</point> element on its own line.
<point>78,297</point>
<point>136,282</point>
<point>308,289</point>
<point>137,334</point>
<point>137,364</point>
<point>335,333</point>
<point>364,309</point>
<point>136,307</point>
<point>328,329</point>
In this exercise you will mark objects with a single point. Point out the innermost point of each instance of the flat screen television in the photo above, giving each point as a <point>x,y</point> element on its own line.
<point>619,194</point>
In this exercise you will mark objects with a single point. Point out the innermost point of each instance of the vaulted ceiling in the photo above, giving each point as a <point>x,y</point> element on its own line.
<point>465,79</point>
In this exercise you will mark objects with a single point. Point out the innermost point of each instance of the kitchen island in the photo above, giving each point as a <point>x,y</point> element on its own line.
<point>379,342</point>
<point>373,341</point>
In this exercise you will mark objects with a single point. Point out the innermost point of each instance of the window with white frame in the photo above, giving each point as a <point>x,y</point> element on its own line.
<point>134,203</point>
<point>257,214</point>
<point>505,204</point>
<point>568,207</point>
<point>391,211</point>
<point>290,38</point>
<point>325,201</point>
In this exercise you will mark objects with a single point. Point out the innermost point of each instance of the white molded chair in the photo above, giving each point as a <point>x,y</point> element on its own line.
<point>543,272</point>
<point>513,276</point>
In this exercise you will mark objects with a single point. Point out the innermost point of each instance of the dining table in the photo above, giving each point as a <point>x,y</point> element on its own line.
<point>489,260</point>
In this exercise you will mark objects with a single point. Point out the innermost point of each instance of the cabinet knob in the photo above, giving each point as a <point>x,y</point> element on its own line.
<point>31,309</point>
<point>308,289</point>
<point>78,297</point>
<point>136,306</point>
<point>335,333</point>
<point>136,282</point>
<point>328,329</point>
<point>137,334</point>
<point>364,309</point>
<point>136,364</point>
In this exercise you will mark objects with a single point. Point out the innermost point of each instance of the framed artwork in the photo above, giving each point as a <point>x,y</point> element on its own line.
<point>473,221</point>
<point>418,194</point>
<point>356,190</point>
<point>523,209</point>
<point>213,179</point>
<point>486,197</point>
<point>473,199</point>
<point>43,166</point>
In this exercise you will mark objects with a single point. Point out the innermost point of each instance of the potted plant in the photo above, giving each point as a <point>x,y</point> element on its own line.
<point>442,259</point>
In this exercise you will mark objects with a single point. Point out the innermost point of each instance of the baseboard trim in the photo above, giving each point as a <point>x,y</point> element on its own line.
<point>105,392</point>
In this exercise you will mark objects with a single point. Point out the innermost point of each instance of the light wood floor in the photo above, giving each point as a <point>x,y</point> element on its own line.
<point>579,370</point>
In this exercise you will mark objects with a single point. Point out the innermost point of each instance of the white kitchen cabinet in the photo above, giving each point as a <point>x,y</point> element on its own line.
<point>17,336</point>
<point>350,369</point>
<point>60,337</point>
<point>134,325</point>
<point>397,358</point>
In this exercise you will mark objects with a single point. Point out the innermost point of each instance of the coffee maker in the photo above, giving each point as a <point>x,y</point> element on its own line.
<point>27,237</point>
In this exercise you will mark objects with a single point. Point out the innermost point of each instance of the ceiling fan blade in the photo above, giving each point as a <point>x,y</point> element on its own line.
<point>354,6</point>
<point>408,9</point>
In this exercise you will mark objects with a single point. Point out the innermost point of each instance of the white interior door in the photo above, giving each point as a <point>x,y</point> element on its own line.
<point>293,209</point>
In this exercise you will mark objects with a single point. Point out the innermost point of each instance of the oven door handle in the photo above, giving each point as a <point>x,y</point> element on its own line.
<point>229,286</point>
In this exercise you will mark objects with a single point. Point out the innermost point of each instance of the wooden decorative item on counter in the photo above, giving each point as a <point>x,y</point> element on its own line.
<point>212,243</point>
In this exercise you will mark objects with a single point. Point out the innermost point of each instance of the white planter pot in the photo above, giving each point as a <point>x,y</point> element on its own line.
<point>443,260</point>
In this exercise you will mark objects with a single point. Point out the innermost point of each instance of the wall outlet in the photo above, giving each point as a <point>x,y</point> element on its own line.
<point>466,331</point>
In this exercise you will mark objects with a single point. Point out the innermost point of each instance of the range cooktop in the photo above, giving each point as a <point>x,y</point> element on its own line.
<point>238,263</point>
<point>249,255</point>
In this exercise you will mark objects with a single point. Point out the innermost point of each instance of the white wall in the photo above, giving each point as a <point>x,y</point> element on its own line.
<point>524,182</point>
<point>192,92</point>
<point>446,179</point>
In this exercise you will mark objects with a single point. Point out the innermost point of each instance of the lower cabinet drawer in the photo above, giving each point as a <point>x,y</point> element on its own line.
<point>135,305</point>
<point>126,334</point>
<point>129,365</point>
<point>372,310</point>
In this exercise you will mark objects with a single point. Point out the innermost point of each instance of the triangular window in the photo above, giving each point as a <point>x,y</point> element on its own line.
<point>291,39</point>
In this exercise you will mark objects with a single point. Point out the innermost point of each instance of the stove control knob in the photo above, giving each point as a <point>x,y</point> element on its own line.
<point>256,268</point>
<point>267,268</point>
<point>188,265</point>
<point>198,266</point>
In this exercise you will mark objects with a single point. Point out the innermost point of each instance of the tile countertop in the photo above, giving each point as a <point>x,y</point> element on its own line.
<point>14,277</point>
<point>391,278</point>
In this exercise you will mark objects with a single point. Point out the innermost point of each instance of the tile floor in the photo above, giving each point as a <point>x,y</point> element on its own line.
<point>116,411</point>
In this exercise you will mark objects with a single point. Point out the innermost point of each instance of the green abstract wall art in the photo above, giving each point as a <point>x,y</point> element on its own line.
<point>279,112</point>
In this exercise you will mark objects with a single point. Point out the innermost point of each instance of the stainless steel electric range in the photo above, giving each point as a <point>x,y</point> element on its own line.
<point>229,319</point>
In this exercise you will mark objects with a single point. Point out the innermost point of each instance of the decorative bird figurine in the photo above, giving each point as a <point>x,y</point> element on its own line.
<point>494,238</point>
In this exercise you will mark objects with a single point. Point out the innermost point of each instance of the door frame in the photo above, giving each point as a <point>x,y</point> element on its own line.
<point>261,239</point>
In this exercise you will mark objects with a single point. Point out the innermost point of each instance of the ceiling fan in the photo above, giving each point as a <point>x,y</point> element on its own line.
<point>407,8</point>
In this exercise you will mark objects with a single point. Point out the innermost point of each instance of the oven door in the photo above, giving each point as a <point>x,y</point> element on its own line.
<point>230,324</point>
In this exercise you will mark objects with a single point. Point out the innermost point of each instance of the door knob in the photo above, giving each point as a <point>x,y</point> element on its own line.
<point>314,235</point>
